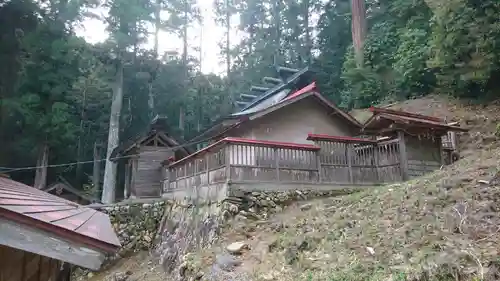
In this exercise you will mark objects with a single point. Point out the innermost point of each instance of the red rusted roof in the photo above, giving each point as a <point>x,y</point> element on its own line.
<point>28,205</point>
<point>382,118</point>
<point>377,110</point>
<point>321,137</point>
<point>309,88</point>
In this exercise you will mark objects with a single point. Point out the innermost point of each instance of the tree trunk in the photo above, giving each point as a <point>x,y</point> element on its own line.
<point>181,121</point>
<point>151,98</point>
<point>42,163</point>
<point>184,62</point>
<point>308,43</point>
<point>358,29</point>
<point>109,182</point>
<point>228,58</point>
<point>96,173</point>
<point>277,40</point>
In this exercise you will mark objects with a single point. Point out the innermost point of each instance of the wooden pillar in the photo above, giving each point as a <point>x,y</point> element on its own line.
<point>207,167</point>
<point>133,177</point>
<point>277,163</point>
<point>126,190</point>
<point>439,144</point>
<point>318,165</point>
<point>228,149</point>
<point>403,155</point>
<point>349,153</point>
<point>376,159</point>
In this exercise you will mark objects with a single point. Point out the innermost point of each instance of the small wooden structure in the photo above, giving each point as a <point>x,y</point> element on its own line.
<point>142,158</point>
<point>41,233</point>
<point>63,189</point>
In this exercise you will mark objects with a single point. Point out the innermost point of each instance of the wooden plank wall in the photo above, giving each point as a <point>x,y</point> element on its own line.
<point>423,155</point>
<point>17,265</point>
<point>147,177</point>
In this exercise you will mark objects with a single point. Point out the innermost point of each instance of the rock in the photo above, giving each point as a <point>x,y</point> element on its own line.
<point>306,207</point>
<point>121,276</point>
<point>370,250</point>
<point>233,208</point>
<point>182,269</point>
<point>291,255</point>
<point>236,248</point>
<point>227,262</point>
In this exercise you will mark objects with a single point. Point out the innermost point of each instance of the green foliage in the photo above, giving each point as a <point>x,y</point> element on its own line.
<point>463,47</point>
<point>56,88</point>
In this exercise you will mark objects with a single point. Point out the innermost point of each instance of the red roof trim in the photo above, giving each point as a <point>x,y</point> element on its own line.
<point>309,88</point>
<point>62,232</point>
<point>376,110</point>
<point>248,141</point>
<point>338,138</point>
<point>423,122</point>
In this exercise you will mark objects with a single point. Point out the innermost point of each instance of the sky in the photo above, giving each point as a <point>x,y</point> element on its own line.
<point>207,36</point>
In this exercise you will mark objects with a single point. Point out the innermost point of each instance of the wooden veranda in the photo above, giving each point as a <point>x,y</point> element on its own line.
<point>331,163</point>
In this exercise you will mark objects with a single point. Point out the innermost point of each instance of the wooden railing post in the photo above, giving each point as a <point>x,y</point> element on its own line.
<point>207,158</point>
<point>277,163</point>
<point>403,155</point>
<point>227,159</point>
<point>349,151</point>
<point>318,165</point>
<point>376,159</point>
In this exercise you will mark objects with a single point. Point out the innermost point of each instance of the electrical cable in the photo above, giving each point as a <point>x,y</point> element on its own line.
<point>10,169</point>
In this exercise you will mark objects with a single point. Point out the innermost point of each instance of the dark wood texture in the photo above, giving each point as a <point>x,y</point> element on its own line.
<point>17,265</point>
<point>32,240</point>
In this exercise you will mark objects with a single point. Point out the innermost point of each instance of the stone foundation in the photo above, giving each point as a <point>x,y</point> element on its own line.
<point>135,224</point>
<point>258,204</point>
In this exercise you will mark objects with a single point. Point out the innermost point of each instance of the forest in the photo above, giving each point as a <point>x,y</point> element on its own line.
<point>60,96</point>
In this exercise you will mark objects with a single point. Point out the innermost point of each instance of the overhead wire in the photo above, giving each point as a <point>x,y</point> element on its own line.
<point>11,169</point>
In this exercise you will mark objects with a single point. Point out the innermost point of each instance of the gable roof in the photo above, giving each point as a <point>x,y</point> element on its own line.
<point>67,186</point>
<point>383,119</point>
<point>158,127</point>
<point>30,206</point>
<point>309,91</point>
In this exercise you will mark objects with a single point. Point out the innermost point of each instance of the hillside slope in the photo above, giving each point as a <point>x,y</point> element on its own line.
<point>443,226</point>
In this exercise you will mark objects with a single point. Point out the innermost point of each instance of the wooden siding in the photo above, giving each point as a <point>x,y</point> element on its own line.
<point>17,265</point>
<point>146,172</point>
<point>292,123</point>
<point>424,155</point>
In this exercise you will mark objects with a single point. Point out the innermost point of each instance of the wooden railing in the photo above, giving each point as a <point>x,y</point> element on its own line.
<point>346,160</point>
<point>330,161</point>
<point>258,161</point>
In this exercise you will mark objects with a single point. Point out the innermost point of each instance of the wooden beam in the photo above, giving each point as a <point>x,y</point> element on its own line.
<point>241,103</point>
<point>259,89</point>
<point>272,80</point>
<point>39,242</point>
<point>248,96</point>
<point>287,69</point>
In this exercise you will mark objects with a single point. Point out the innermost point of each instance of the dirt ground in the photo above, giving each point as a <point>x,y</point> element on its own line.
<point>443,226</point>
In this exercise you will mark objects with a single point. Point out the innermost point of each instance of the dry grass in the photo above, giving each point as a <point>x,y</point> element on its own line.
<point>442,227</point>
<point>445,224</point>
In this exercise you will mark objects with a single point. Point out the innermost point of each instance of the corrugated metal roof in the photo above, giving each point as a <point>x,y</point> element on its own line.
<point>56,212</point>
